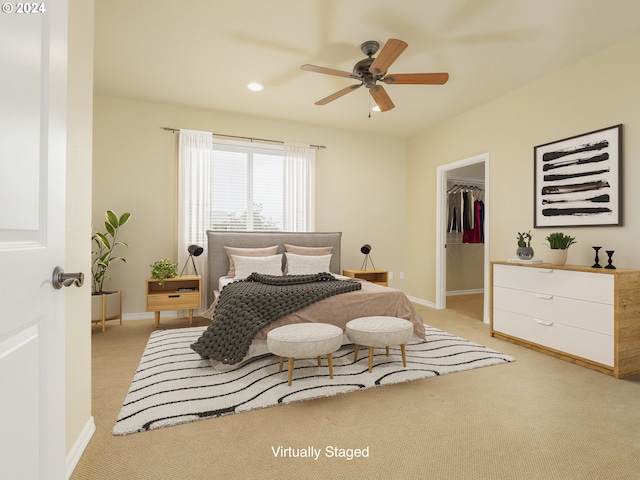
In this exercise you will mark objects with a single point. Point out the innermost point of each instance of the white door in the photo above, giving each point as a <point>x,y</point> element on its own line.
<point>33,55</point>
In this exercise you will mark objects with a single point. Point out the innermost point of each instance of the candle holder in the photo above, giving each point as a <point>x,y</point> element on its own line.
<point>597,260</point>
<point>610,264</point>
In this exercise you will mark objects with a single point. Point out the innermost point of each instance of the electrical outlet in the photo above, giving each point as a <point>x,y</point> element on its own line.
<point>390,275</point>
<point>401,275</point>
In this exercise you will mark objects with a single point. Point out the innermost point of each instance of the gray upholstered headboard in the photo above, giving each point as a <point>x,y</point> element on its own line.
<point>219,262</point>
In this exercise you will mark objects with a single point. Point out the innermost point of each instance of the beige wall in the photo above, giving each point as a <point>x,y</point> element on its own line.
<point>360,181</point>
<point>78,220</point>
<point>597,92</point>
<point>465,267</point>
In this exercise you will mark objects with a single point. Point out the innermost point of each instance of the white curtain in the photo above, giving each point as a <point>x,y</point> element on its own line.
<point>195,157</point>
<point>299,187</point>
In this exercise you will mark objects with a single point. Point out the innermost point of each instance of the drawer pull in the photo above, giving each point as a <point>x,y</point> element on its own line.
<point>543,322</point>
<point>174,296</point>
<point>544,270</point>
<point>543,296</point>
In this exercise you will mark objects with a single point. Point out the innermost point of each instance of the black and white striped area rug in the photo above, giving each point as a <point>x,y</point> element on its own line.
<point>174,385</point>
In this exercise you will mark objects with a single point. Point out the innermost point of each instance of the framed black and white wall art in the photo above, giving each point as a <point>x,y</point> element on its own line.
<point>577,181</point>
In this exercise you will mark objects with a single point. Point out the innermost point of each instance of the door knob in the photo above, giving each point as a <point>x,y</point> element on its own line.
<point>61,279</point>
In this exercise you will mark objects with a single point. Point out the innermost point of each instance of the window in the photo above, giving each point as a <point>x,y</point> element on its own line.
<point>247,189</point>
<point>229,185</point>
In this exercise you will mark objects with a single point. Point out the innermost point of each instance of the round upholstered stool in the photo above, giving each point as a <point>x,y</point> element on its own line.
<point>304,340</point>
<point>379,332</point>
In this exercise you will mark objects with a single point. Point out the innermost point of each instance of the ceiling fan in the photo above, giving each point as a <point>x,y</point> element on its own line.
<point>370,71</point>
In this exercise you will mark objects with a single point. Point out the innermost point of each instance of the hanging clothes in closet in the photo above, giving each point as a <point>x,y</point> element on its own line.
<point>466,212</point>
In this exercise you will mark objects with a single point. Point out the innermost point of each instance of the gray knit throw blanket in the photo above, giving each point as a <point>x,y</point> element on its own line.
<point>246,306</point>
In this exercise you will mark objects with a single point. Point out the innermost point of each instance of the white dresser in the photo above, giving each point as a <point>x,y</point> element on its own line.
<point>588,316</point>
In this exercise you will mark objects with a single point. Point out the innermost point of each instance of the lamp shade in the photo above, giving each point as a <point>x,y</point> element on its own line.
<point>365,249</point>
<point>195,250</point>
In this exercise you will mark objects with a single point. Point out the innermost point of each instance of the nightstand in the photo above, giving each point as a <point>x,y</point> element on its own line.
<point>380,277</point>
<point>179,293</point>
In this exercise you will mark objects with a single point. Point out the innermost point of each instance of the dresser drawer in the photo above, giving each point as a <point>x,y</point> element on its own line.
<point>593,287</point>
<point>173,301</point>
<point>587,344</point>
<point>597,317</point>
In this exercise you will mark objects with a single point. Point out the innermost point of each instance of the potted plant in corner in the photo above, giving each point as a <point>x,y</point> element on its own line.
<point>106,305</point>
<point>559,244</point>
<point>524,250</point>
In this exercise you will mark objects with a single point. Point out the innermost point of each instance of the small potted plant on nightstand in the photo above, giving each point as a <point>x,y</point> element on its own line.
<point>559,244</point>
<point>524,250</point>
<point>106,305</point>
<point>163,269</point>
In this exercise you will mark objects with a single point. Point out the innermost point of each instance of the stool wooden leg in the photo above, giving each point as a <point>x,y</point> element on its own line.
<point>319,361</point>
<point>370,358</point>
<point>290,370</point>
<point>330,362</point>
<point>281,364</point>
<point>355,353</point>
<point>387,351</point>
<point>404,355</point>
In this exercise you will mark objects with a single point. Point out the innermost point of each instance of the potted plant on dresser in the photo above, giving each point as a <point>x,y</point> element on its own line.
<point>559,244</point>
<point>524,250</point>
<point>106,305</point>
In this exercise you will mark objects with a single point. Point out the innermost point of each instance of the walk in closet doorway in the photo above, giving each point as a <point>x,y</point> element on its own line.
<point>462,249</point>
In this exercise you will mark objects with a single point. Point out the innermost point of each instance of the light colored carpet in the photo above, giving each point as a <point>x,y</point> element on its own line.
<point>173,385</point>
<point>538,418</point>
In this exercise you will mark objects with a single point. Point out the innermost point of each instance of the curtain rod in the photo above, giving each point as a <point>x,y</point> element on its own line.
<point>174,130</point>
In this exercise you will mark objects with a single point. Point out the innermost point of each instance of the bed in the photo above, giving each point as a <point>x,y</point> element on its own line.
<point>370,299</point>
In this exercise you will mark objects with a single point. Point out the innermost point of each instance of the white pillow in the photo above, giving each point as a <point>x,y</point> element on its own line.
<point>245,266</point>
<point>307,264</point>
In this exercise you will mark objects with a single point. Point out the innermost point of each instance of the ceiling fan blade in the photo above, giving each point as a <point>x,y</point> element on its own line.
<point>416,78</point>
<point>338,94</point>
<point>389,53</point>
<point>381,98</point>
<point>329,71</point>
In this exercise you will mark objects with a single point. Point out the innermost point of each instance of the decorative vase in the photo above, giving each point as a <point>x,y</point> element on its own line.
<point>524,253</point>
<point>558,256</point>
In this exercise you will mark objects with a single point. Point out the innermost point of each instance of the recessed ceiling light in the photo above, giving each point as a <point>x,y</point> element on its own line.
<point>256,87</point>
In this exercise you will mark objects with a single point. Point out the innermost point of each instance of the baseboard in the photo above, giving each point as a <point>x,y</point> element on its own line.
<point>465,292</point>
<point>421,301</point>
<point>148,315</point>
<point>80,446</point>
<point>164,314</point>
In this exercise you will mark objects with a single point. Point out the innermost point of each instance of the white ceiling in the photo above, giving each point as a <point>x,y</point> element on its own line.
<point>203,53</point>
